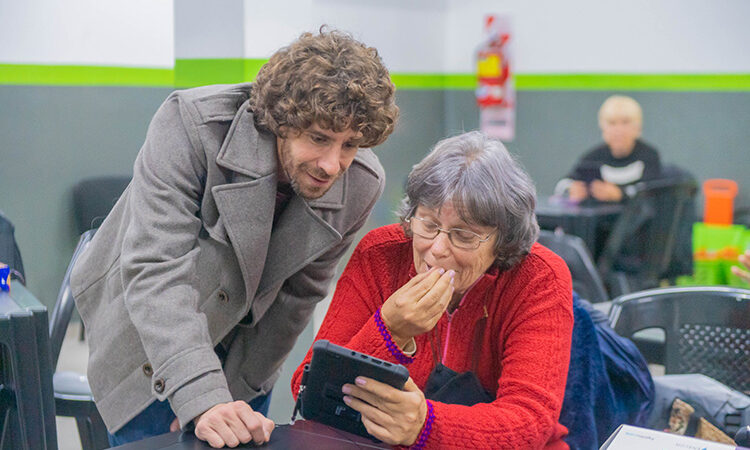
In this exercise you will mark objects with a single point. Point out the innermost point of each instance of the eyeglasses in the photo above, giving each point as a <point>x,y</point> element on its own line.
<point>459,238</point>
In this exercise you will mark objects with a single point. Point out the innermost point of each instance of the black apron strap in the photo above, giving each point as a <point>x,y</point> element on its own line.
<point>437,357</point>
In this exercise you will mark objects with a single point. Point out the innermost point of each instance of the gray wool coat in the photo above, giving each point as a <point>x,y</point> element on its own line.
<point>189,259</point>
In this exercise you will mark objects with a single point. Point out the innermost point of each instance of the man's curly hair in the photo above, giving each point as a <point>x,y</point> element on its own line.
<point>329,79</point>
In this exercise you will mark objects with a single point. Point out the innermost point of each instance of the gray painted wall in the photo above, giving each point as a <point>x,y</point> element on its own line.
<point>706,133</point>
<point>50,137</point>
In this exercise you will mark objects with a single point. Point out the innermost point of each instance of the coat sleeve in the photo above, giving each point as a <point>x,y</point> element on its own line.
<point>159,254</point>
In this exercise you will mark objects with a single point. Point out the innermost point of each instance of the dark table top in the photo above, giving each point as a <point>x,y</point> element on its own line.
<point>302,434</point>
<point>579,219</point>
<point>18,300</point>
<point>558,206</point>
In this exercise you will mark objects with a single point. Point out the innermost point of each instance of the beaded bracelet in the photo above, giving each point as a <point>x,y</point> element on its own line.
<point>392,347</point>
<point>422,439</point>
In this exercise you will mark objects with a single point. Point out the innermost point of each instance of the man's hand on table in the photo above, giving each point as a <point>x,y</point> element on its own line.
<point>578,191</point>
<point>229,424</point>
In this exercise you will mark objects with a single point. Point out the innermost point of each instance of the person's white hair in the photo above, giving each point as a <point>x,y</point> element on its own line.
<point>621,106</point>
<point>487,187</point>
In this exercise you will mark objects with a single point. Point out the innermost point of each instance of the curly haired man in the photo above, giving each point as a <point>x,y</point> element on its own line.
<point>243,199</point>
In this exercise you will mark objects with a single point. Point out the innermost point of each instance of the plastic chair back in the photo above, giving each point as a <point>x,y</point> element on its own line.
<point>27,410</point>
<point>65,305</point>
<point>73,396</point>
<point>572,249</point>
<point>707,329</point>
<point>93,199</point>
<point>643,240</point>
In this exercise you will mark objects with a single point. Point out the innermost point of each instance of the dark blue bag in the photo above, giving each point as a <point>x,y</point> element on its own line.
<point>608,381</point>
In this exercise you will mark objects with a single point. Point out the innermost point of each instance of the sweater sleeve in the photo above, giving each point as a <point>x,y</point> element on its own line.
<point>531,386</point>
<point>652,164</point>
<point>586,169</point>
<point>586,165</point>
<point>350,319</point>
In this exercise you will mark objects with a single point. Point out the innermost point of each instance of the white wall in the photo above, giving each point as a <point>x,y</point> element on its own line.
<point>209,29</point>
<point>136,33</point>
<point>409,35</point>
<point>270,25</point>
<point>634,36</point>
<point>549,36</point>
<point>425,36</point>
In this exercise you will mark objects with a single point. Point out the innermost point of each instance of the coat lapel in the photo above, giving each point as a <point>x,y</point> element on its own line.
<point>298,237</point>
<point>268,254</point>
<point>246,204</point>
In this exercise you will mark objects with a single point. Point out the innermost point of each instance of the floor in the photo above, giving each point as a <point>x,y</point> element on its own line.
<point>73,357</point>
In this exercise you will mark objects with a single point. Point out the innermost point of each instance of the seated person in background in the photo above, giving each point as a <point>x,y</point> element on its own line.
<point>623,159</point>
<point>459,287</point>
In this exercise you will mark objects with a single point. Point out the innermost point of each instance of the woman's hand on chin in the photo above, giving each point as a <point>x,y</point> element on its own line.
<point>417,306</point>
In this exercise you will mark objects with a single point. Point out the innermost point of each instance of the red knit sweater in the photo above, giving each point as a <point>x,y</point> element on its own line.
<point>525,350</point>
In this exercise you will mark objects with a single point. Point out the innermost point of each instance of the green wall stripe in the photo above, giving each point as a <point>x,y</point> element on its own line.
<point>252,67</point>
<point>634,82</point>
<point>199,72</point>
<point>34,74</point>
<point>434,81</point>
<point>196,72</point>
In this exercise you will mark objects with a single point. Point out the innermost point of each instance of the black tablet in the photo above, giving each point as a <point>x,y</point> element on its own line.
<point>331,367</point>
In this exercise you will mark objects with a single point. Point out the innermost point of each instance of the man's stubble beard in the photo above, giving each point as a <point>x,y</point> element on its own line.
<point>301,170</point>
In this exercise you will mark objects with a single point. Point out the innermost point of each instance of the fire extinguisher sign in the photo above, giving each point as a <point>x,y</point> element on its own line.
<point>495,92</point>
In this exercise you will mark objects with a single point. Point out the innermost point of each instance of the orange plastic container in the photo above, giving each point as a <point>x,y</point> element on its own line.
<point>719,194</point>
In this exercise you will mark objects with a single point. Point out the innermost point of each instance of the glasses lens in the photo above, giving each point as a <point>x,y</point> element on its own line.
<point>424,228</point>
<point>459,238</point>
<point>464,239</point>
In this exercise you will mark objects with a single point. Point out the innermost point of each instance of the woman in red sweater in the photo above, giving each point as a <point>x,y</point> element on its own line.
<point>463,297</point>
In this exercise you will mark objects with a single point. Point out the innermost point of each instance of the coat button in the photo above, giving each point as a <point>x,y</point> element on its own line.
<point>148,370</point>
<point>159,385</point>
<point>223,297</point>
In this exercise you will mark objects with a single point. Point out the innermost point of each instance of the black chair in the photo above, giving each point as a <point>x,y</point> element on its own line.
<point>27,413</point>
<point>706,330</point>
<point>641,247</point>
<point>93,199</point>
<point>586,280</point>
<point>742,216</point>
<point>73,396</point>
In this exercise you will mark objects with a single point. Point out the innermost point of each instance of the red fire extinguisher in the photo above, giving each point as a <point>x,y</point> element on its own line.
<point>495,92</point>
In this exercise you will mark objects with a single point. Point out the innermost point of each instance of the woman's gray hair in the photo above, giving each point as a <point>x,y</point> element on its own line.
<point>486,186</point>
